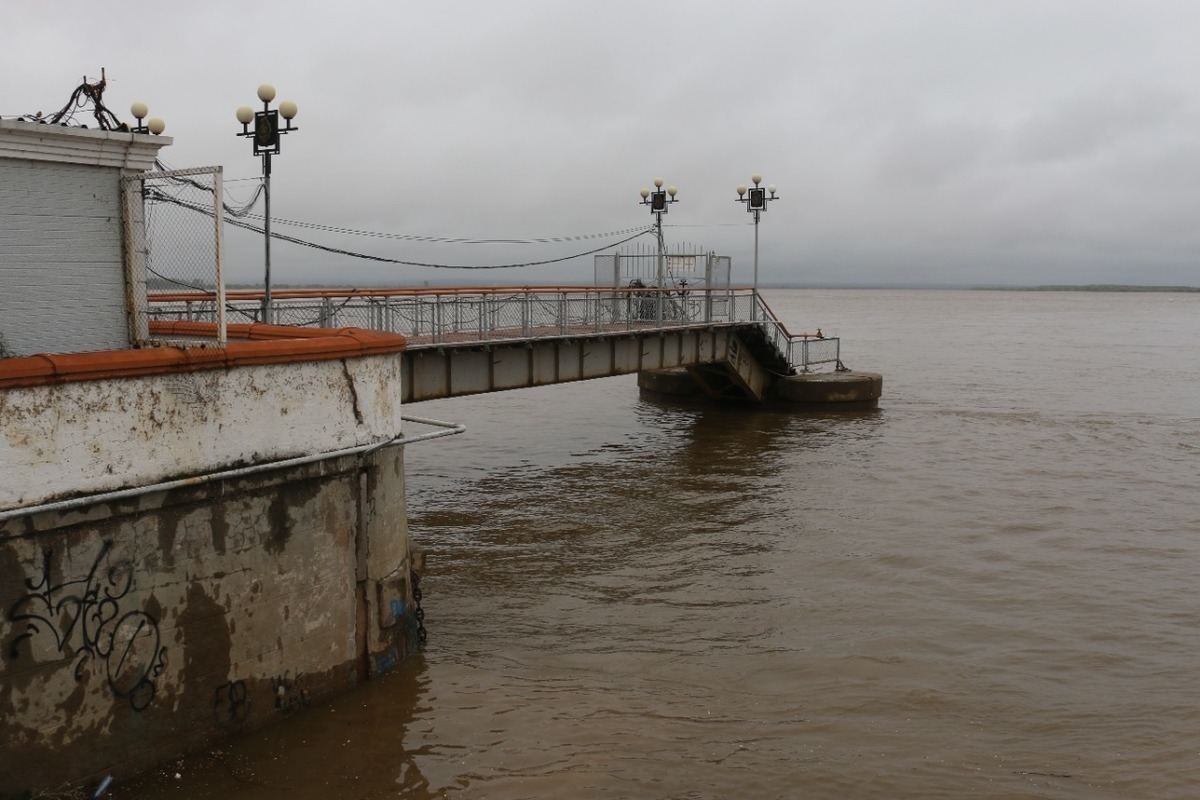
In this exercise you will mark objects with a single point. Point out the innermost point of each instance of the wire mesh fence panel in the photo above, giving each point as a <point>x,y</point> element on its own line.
<point>174,238</point>
<point>722,269</point>
<point>821,351</point>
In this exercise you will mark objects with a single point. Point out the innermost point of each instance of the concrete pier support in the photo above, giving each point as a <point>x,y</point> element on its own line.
<point>848,389</point>
<point>826,390</point>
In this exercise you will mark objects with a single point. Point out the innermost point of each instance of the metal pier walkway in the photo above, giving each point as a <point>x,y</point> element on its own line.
<point>472,340</point>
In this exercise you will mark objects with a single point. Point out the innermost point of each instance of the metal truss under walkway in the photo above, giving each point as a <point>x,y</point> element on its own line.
<point>473,340</point>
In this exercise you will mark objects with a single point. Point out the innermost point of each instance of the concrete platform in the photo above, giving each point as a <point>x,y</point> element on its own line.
<point>847,389</point>
<point>824,390</point>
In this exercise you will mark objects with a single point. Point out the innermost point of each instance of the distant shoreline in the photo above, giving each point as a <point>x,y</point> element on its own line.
<point>1089,287</point>
<point>1092,287</point>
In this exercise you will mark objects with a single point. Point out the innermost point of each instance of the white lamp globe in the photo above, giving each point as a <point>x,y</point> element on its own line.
<point>156,125</point>
<point>288,109</point>
<point>645,193</point>
<point>771,188</point>
<point>266,92</point>
<point>756,178</point>
<point>671,190</point>
<point>658,182</point>
<point>741,190</point>
<point>139,111</point>
<point>245,115</point>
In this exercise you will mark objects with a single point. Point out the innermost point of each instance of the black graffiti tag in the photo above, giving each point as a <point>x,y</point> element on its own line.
<point>230,704</point>
<point>86,619</point>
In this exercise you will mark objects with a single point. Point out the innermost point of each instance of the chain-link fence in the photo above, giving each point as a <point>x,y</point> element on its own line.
<point>174,242</point>
<point>681,267</point>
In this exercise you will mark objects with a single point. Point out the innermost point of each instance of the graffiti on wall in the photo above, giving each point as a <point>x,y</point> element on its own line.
<point>89,617</point>
<point>230,703</point>
<point>291,693</point>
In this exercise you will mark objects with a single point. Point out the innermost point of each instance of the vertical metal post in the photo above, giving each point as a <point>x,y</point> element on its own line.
<point>266,160</point>
<point>662,277</point>
<point>708,280</point>
<point>137,253</point>
<point>218,202</point>
<point>437,322</point>
<point>754,305</point>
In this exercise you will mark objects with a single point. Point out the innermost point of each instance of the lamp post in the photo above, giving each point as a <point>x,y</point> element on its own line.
<point>659,204</point>
<point>756,203</point>
<point>265,137</point>
<point>153,125</point>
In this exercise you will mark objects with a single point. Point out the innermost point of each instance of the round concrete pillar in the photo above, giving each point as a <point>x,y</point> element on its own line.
<point>829,389</point>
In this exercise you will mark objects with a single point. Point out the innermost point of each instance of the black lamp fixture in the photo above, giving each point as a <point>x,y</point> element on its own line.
<point>266,137</point>
<point>660,201</point>
<point>756,203</point>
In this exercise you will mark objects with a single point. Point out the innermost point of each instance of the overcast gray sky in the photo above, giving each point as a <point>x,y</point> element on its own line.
<point>911,142</point>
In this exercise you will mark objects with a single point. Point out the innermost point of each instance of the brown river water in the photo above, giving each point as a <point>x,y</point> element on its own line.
<point>985,588</point>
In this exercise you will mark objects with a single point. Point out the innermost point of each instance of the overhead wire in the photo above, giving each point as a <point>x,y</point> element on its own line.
<point>155,194</point>
<point>425,239</point>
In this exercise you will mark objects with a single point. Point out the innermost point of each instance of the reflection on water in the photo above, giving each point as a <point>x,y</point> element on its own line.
<point>984,588</point>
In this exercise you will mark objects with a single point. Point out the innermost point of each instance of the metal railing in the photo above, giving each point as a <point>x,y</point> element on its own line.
<point>802,350</point>
<point>432,317</point>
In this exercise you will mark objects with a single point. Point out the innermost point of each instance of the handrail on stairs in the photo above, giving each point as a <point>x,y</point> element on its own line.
<point>800,350</point>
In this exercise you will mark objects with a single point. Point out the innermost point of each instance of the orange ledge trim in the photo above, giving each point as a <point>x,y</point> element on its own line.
<point>265,344</point>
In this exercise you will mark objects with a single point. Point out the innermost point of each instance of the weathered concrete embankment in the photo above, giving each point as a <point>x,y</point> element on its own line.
<point>190,550</point>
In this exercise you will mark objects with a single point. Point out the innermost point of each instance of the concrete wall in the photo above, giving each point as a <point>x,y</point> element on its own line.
<point>137,630</point>
<point>95,436</point>
<point>134,629</point>
<point>62,262</point>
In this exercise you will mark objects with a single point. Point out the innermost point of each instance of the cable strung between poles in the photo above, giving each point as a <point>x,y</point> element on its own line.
<point>166,198</point>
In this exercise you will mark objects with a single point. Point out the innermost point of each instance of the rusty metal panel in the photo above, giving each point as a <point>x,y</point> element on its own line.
<point>510,366</point>
<point>689,348</point>
<point>470,371</point>
<point>625,356</point>
<point>543,363</point>
<point>430,375</point>
<point>570,361</point>
<point>652,352</point>
<point>597,358</point>
<point>713,346</point>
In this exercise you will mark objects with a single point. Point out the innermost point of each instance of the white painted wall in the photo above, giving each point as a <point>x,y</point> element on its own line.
<point>62,265</point>
<point>97,436</point>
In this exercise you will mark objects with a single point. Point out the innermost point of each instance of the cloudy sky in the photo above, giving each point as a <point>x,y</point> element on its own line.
<point>919,142</point>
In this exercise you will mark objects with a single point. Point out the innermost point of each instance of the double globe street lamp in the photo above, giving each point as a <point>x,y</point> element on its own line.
<point>266,137</point>
<point>659,202</point>
<point>756,203</point>
<point>154,125</point>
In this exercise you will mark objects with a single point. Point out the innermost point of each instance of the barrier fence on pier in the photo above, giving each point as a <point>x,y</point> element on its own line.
<point>433,317</point>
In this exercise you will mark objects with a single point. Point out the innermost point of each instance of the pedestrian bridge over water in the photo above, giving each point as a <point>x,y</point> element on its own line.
<point>472,340</point>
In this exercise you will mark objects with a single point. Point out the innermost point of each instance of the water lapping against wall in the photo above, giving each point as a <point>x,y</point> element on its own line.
<point>984,588</point>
